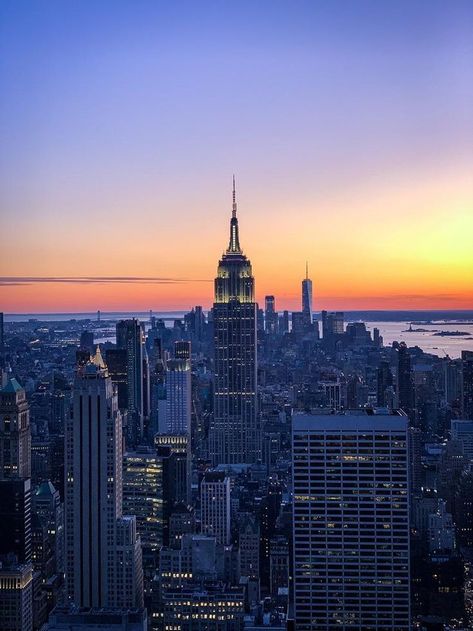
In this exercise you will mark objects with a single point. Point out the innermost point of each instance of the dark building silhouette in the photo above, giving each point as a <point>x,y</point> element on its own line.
<point>87,341</point>
<point>130,338</point>
<point>15,519</point>
<point>467,384</point>
<point>270,315</point>
<point>384,381</point>
<point>405,385</point>
<point>307,298</point>
<point>15,434</point>
<point>116,360</point>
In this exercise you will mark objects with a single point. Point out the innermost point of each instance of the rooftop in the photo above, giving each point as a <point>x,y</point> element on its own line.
<point>12,386</point>
<point>363,419</point>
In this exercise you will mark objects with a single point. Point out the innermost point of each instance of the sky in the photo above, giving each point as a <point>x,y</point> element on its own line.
<point>348,125</point>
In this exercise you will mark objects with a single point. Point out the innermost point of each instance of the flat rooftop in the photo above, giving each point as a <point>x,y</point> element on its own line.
<point>351,420</point>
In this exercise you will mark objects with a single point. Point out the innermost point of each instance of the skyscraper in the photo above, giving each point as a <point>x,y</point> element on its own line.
<point>405,384</point>
<point>351,521</point>
<point>467,384</point>
<point>2,340</point>
<point>307,297</point>
<point>130,338</point>
<point>234,434</point>
<point>15,519</point>
<point>16,597</point>
<point>103,556</point>
<point>383,382</point>
<point>16,590</point>
<point>178,396</point>
<point>270,315</point>
<point>215,506</point>
<point>15,433</point>
<point>332,324</point>
<point>143,497</point>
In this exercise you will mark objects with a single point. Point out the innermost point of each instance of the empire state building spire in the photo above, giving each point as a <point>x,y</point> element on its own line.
<point>234,432</point>
<point>234,244</point>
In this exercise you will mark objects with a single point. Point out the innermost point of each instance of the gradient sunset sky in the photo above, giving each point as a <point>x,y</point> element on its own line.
<point>348,124</point>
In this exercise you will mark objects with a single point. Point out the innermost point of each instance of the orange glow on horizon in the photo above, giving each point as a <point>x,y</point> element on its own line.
<point>402,244</point>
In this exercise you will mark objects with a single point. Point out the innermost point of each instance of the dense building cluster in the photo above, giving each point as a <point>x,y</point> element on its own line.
<point>241,468</point>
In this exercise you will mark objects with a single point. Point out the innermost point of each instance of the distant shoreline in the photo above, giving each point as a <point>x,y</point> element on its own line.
<point>432,317</point>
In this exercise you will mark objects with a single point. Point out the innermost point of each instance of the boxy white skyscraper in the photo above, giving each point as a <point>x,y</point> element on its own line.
<point>351,521</point>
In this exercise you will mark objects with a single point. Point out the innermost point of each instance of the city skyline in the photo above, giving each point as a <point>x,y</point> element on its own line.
<point>236,315</point>
<point>349,133</point>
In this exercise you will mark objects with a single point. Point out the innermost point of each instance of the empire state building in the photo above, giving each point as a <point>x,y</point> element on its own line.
<point>234,433</point>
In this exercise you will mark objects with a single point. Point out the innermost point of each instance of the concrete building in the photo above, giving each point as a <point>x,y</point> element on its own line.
<point>97,620</point>
<point>130,338</point>
<point>15,433</point>
<point>463,431</point>
<point>215,506</point>
<point>351,521</point>
<point>103,553</point>
<point>211,607</point>
<point>178,396</point>
<point>143,496</point>
<point>249,544</point>
<point>16,597</point>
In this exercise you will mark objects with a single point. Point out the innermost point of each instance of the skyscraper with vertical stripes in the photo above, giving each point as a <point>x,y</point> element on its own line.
<point>103,551</point>
<point>234,432</point>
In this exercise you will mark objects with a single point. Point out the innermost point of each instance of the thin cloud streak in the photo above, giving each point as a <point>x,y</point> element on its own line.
<point>14,281</point>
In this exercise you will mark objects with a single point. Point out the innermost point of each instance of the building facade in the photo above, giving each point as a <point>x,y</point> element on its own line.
<point>15,433</point>
<point>178,396</point>
<point>234,435</point>
<point>99,540</point>
<point>130,338</point>
<point>215,506</point>
<point>351,521</point>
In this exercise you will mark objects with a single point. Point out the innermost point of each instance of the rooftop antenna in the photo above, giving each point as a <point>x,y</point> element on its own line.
<point>234,205</point>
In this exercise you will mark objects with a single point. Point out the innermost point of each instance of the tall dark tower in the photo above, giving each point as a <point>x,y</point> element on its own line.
<point>234,432</point>
<point>405,386</point>
<point>130,339</point>
<point>307,297</point>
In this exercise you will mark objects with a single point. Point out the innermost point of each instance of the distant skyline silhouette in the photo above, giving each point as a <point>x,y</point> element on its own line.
<point>348,125</point>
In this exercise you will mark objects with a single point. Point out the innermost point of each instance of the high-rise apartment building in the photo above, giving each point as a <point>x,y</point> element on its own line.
<point>351,521</point>
<point>234,434</point>
<point>215,506</point>
<point>103,556</point>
